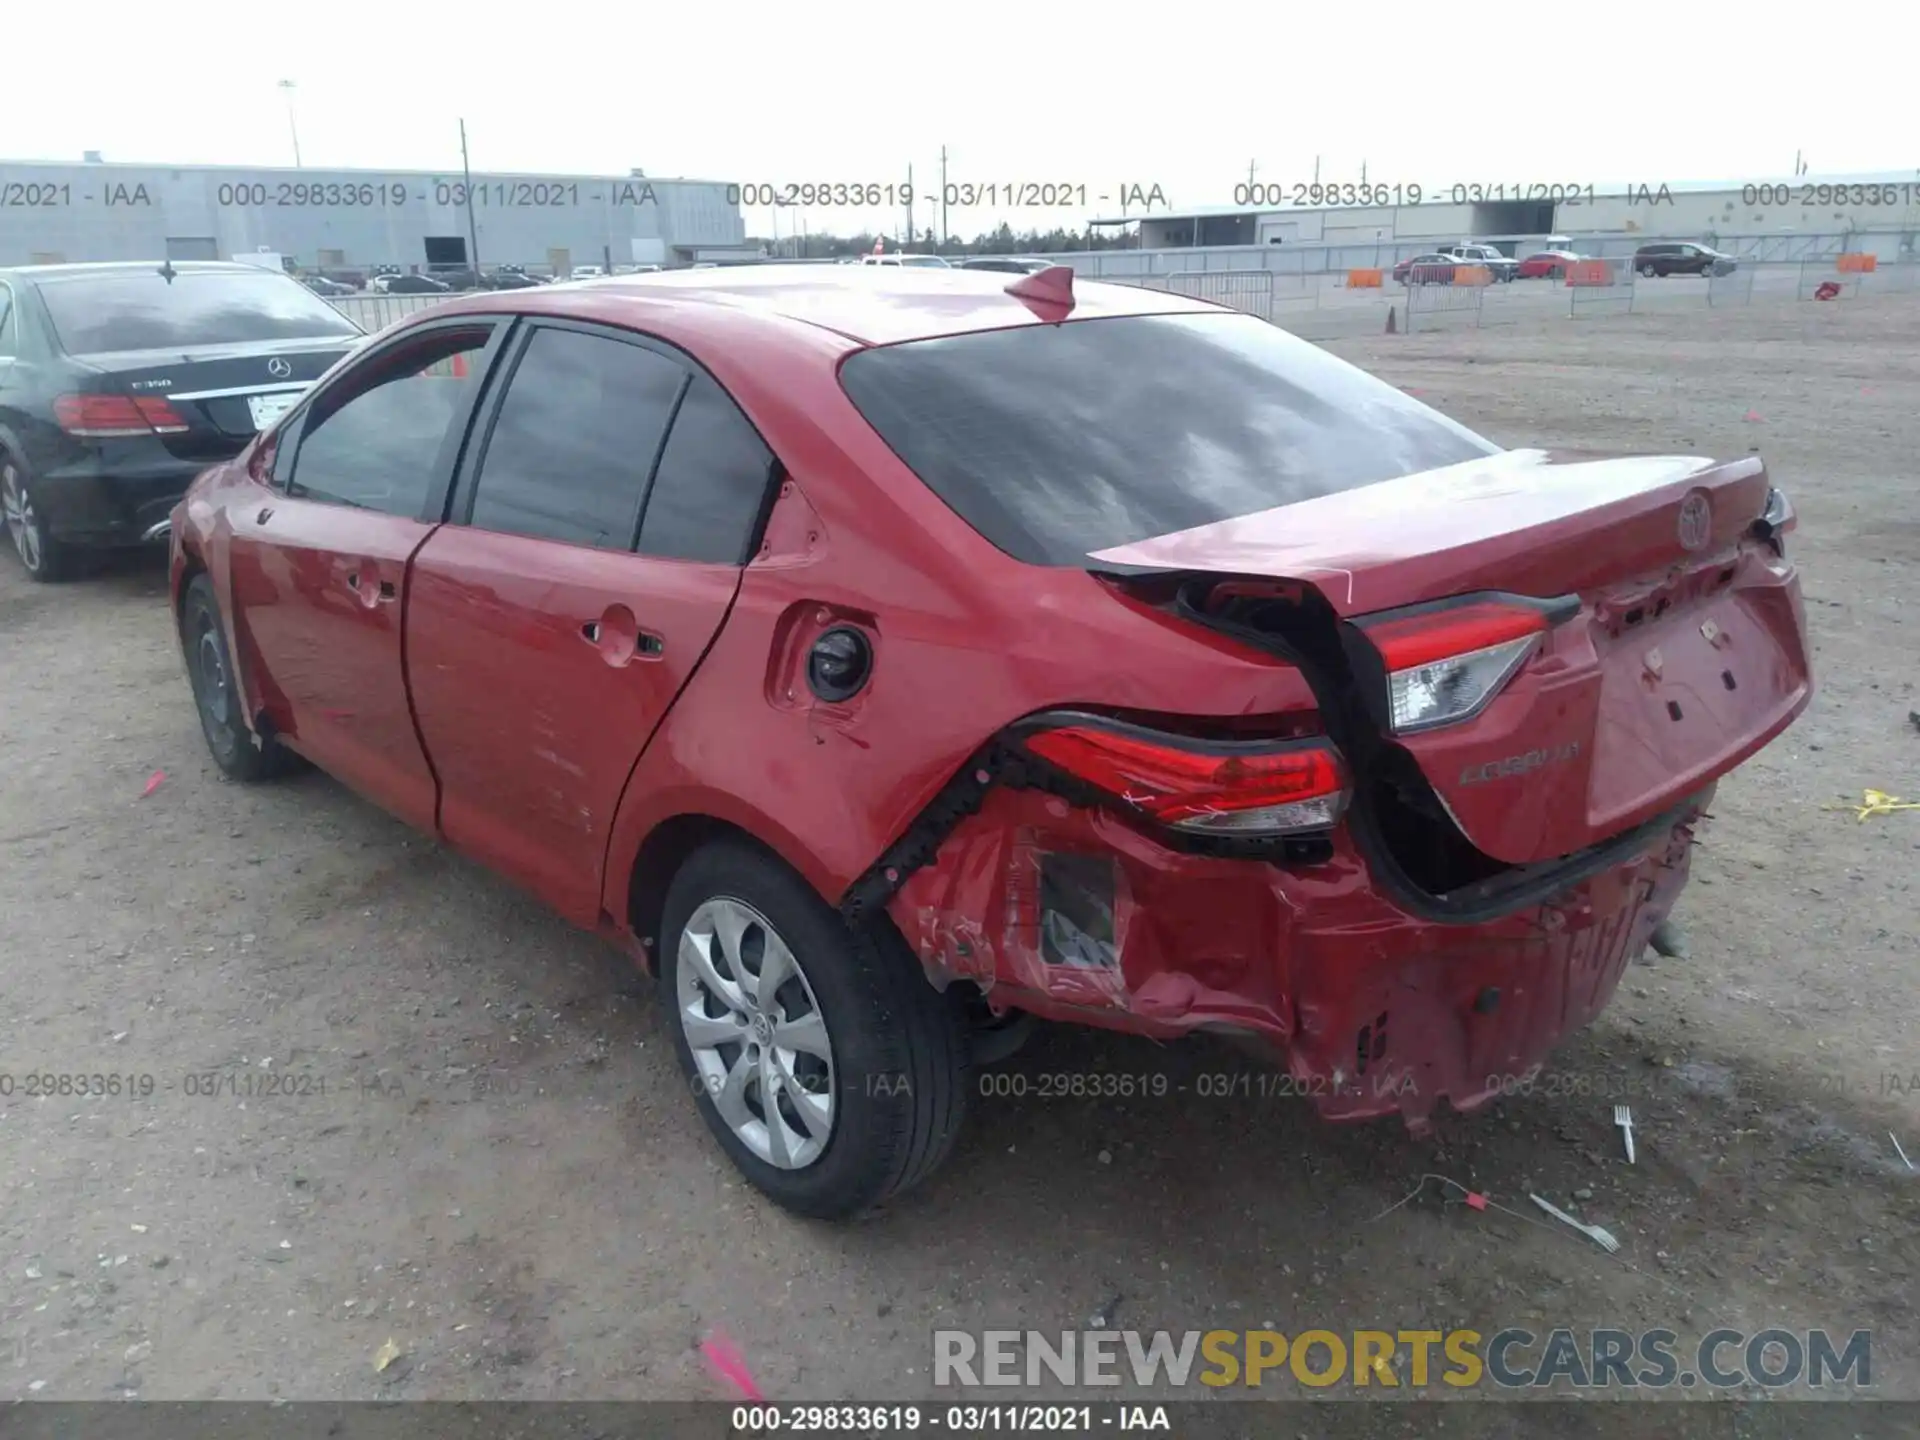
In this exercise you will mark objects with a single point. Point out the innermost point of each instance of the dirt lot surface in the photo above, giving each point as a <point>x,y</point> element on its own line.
<point>504,1178</point>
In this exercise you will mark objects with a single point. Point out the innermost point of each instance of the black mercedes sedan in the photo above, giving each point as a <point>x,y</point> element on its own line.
<point>121,382</point>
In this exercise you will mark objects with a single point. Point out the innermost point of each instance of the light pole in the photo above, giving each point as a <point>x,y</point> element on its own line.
<point>293,128</point>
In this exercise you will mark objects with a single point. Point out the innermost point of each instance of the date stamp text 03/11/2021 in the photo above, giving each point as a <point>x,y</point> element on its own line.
<point>531,194</point>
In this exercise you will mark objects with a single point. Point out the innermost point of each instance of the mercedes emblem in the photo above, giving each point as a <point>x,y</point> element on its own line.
<point>279,368</point>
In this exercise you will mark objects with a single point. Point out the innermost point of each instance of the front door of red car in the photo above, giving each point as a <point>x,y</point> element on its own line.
<point>319,565</point>
<point>543,645</point>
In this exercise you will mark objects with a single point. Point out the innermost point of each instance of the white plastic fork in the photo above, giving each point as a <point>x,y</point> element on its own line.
<point>1603,1238</point>
<point>1623,1117</point>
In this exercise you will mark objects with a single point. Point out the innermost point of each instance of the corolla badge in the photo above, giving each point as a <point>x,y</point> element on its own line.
<point>279,368</point>
<point>1696,521</point>
<point>1522,764</point>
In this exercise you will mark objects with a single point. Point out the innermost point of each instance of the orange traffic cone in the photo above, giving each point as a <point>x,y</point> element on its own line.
<point>460,367</point>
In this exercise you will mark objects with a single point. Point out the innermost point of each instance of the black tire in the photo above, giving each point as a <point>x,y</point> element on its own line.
<point>900,1053</point>
<point>203,644</point>
<point>1646,271</point>
<point>998,1040</point>
<point>44,558</point>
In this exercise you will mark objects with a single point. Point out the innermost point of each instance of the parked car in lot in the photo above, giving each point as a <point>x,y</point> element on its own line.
<point>1005,264</point>
<point>321,285</point>
<point>898,261</point>
<point>120,382</point>
<point>1429,269</point>
<point>704,607</point>
<point>1503,267</point>
<point>1547,264</point>
<point>1685,258</point>
<point>410,285</point>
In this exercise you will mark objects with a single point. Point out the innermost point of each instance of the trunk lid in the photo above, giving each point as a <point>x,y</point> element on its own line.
<point>1686,652</point>
<point>225,394</point>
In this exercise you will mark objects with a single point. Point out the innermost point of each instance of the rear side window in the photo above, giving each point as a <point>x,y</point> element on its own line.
<point>1056,440</point>
<point>575,440</point>
<point>144,310</point>
<point>712,482</point>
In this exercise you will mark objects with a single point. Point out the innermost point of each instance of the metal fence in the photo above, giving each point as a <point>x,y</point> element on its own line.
<point>1445,294</point>
<point>1248,290</point>
<point>1599,287</point>
<point>375,312</point>
<point>1733,288</point>
<point>1322,306</point>
<point>1893,247</point>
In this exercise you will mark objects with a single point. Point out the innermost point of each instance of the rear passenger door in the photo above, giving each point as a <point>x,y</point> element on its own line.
<point>600,522</point>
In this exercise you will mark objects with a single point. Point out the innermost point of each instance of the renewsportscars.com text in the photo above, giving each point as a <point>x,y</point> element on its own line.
<point>1511,1358</point>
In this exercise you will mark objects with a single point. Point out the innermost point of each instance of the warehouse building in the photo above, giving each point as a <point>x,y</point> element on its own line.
<point>356,219</point>
<point>1402,215</point>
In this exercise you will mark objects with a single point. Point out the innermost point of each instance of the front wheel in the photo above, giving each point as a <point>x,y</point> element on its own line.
<point>1648,271</point>
<point>829,1070</point>
<point>216,692</point>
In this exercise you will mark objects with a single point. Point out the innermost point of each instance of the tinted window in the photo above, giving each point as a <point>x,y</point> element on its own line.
<point>712,481</point>
<point>377,443</point>
<point>575,439</point>
<point>1056,440</point>
<point>143,310</point>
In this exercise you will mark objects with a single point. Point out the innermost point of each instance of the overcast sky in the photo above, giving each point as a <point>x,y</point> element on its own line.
<point>1184,97</point>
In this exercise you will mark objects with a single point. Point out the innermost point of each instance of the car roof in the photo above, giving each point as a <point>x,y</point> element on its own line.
<point>871,305</point>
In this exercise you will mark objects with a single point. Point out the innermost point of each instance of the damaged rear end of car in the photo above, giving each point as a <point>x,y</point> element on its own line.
<point>1503,686</point>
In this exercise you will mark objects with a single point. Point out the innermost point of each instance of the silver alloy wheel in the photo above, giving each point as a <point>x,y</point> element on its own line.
<point>759,1040</point>
<point>22,523</point>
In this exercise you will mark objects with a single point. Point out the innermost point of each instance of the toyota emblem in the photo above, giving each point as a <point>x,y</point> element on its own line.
<point>279,368</point>
<point>1696,521</point>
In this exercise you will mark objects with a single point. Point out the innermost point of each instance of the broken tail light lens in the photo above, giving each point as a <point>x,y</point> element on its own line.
<point>1238,788</point>
<point>102,417</point>
<point>1446,665</point>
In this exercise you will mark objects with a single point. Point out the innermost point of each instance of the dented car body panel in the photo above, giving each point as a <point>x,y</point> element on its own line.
<point>1469,896</point>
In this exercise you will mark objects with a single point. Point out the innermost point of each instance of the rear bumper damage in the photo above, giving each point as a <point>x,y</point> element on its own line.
<point>1070,913</point>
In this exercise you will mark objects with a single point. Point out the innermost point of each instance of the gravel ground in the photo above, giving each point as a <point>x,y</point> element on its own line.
<point>487,1158</point>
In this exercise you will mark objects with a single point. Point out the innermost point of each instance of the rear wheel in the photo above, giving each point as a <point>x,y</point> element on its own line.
<point>43,557</point>
<point>830,1071</point>
<point>216,692</point>
<point>1648,271</point>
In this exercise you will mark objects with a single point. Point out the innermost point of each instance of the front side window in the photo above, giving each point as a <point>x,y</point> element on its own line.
<point>575,440</point>
<point>1054,441</point>
<point>373,440</point>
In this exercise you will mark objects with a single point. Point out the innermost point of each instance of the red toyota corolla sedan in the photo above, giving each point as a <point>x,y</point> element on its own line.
<point>882,654</point>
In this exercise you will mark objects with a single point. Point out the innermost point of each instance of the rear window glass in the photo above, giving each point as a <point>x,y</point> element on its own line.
<point>98,314</point>
<point>1056,440</point>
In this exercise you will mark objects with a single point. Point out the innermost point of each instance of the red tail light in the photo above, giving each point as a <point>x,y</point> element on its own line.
<point>1445,664</point>
<point>1237,788</point>
<point>100,417</point>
